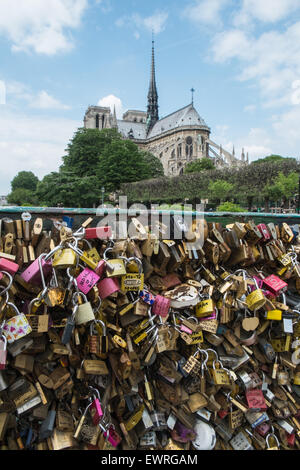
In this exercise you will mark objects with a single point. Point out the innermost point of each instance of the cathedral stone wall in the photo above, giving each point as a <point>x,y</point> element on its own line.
<point>178,148</point>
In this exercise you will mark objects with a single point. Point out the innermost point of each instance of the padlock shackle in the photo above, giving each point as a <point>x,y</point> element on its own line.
<point>6,289</point>
<point>4,339</point>
<point>136,260</point>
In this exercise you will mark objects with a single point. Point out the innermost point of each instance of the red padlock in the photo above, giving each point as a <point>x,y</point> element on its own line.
<point>256,399</point>
<point>275,285</point>
<point>102,233</point>
<point>3,352</point>
<point>265,232</point>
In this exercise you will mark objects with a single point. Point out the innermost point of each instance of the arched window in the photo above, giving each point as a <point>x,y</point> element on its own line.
<point>97,121</point>
<point>179,150</point>
<point>189,147</point>
<point>173,153</point>
<point>103,120</point>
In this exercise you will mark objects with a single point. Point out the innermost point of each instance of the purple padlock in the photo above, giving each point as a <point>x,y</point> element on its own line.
<point>32,274</point>
<point>108,286</point>
<point>213,316</point>
<point>161,306</point>
<point>182,434</point>
<point>86,280</point>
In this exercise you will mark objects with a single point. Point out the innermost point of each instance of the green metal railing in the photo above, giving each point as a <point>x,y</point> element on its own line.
<point>80,214</point>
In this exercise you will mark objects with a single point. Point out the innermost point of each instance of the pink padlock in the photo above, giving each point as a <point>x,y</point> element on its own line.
<point>102,233</point>
<point>3,352</point>
<point>86,280</point>
<point>95,408</point>
<point>113,437</point>
<point>32,274</point>
<point>186,329</point>
<point>108,286</point>
<point>100,269</point>
<point>161,306</point>
<point>275,285</point>
<point>8,266</point>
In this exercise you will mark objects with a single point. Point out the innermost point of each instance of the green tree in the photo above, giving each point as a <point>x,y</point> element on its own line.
<point>63,188</point>
<point>156,169</point>
<point>25,180</point>
<point>270,159</point>
<point>199,165</point>
<point>123,162</point>
<point>85,149</point>
<point>20,196</point>
<point>286,185</point>
<point>220,190</point>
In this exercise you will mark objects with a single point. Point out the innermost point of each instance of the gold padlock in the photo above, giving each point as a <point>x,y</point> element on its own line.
<point>64,258</point>
<point>133,281</point>
<point>256,299</point>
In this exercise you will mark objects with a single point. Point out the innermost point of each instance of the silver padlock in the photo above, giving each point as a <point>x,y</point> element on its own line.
<point>240,442</point>
<point>84,312</point>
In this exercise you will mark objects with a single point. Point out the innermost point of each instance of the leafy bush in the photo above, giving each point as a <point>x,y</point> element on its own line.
<point>230,207</point>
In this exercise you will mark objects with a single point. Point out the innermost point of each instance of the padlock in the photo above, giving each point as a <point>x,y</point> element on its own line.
<point>107,287</point>
<point>114,267</point>
<point>255,299</point>
<point>64,258</point>
<point>84,312</point>
<point>275,440</point>
<point>275,284</point>
<point>95,408</point>
<point>86,280</point>
<point>9,266</point>
<point>16,327</point>
<point>32,274</point>
<point>264,231</point>
<point>205,307</point>
<point>133,281</point>
<point>69,327</point>
<point>161,306</point>
<point>3,352</point>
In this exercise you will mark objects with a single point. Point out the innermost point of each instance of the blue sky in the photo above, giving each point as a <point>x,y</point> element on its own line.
<point>60,56</point>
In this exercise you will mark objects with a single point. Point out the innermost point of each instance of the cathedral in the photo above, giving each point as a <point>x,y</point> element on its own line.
<point>177,139</point>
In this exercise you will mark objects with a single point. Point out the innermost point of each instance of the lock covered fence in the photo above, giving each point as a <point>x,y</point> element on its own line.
<point>148,340</point>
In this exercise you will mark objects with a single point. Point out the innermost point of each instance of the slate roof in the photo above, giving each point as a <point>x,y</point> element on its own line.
<point>186,116</point>
<point>138,128</point>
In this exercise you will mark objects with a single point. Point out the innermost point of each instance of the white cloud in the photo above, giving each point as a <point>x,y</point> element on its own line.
<point>45,101</point>
<point>250,108</point>
<point>205,11</point>
<point>110,101</point>
<point>267,11</point>
<point>156,22</point>
<point>40,26</point>
<point>271,60</point>
<point>32,144</point>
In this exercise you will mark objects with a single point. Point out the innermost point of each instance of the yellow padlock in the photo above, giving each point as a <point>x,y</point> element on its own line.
<point>64,258</point>
<point>256,299</point>
<point>274,315</point>
<point>205,308</point>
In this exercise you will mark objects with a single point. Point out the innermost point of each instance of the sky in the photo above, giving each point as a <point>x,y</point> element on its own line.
<point>57,57</point>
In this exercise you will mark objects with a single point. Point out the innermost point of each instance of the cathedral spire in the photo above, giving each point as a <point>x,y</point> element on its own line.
<point>115,124</point>
<point>152,108</point>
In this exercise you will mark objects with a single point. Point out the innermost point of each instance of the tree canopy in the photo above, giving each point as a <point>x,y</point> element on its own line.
<point>199,165</point>
<point>25,180</point>
<point>93,159</point>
